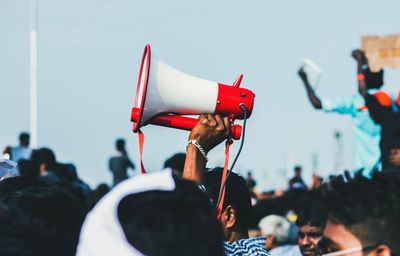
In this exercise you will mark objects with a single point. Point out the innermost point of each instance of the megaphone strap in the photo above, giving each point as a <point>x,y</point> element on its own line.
<point>222,187</point>
<point>141,144</point>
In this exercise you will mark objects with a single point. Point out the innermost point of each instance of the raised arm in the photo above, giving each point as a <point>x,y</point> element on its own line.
<point>209,131</point>
<point>362,64</point>
<point>315,101</point>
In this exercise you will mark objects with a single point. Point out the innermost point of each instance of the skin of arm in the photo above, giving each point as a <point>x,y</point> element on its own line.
<point>315,101</point>
<point>361,60</point>
<point>374,107</point>
<point>209,131</point>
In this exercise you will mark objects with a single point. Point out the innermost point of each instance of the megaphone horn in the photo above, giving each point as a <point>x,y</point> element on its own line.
<point>164,93</point>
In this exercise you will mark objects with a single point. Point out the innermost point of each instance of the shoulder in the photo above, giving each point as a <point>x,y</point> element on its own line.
<point>382,97</point>
<point>244,247</point>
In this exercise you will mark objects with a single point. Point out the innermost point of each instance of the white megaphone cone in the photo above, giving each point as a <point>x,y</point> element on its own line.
<point>164,93</point>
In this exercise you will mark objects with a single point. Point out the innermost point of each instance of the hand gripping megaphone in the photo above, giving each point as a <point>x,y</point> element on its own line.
<point>164,94</point>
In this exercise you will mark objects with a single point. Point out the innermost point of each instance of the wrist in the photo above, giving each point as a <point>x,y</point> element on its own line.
<point>199,148</point>
<point>201,141</point>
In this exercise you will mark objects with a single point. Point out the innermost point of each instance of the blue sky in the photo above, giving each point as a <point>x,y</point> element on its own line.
<point>89,56</point>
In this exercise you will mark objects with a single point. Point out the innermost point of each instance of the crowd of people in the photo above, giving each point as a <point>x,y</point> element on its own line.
<point>189,209</point>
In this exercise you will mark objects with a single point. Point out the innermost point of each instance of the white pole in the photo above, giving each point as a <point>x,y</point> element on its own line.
<point>33,44</point>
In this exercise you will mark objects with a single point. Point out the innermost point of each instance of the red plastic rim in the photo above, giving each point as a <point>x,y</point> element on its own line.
<point>141,88</point>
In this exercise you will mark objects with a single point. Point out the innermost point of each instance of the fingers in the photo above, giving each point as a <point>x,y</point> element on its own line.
<point>220,123</point>
<point>211,120</point>
<point>227,124</point>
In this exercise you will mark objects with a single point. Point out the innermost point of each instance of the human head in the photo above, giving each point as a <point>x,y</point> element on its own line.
<point>316,181</point>
<point>28,168</point>
<point>39,220</point>
<point>278,230</point>
<point>24,139</point>
<point>297,170</point>
<point>310,221</point>
<point>120,145</point>
<point>95,195</point>
<point>155,214</point>
<point>237,203</point>
<point>363,215</point>
<point>374,80</point>
<point>45,158</point>
<point>394,155</point>
<point>176,163</point>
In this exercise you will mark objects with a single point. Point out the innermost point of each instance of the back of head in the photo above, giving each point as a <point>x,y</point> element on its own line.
<point>120,145</point>
<point>237,194</point>
<point>312,212</point>
<point>39,221</point>
<point>24,139</point>
<point>176,162</point>
<point>277,226</point>
<point>297,169</point>
<point>45,156</point>
<point>13,184</point>
<point>178,222</point>
<point>28,168</point>
<point>369,209</point>
<point>374,80</point>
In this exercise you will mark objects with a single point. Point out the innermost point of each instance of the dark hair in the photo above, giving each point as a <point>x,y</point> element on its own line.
<point>369,209</point>
<point>13,184</point>
<point>95,195</point>
<point>28,168</point>
<point>178,222</point>
<point>39,221</point>
<point>44,156</point>
<point>312,211</point>
<point>24,138</point>
<point>176,162</point>
<point>374,80</point>
<point>297,168</point>
<point>120,145</point>
<point>237,194</point>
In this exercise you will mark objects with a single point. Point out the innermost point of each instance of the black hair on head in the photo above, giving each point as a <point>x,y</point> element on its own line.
<point>237,194</point>
<point>374,80</point>
<point>369,209</point>
<point>178,222</point>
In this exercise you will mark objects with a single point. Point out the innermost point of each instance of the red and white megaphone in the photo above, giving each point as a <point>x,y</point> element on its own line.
<point>163,94</point>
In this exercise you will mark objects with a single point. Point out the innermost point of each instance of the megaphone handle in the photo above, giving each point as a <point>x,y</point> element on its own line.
<point>187,123</point>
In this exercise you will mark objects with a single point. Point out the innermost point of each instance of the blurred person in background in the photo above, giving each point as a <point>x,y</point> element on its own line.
<point>119,164</point>
<point>281,236</point>
<point>297,181</point>
<point>28,168</point>
<point>366,132</point>
<point>383,108</point>
<point>176,163</point>
<point>316,181</point>
<point>46,159</point>
<point>22,151</point>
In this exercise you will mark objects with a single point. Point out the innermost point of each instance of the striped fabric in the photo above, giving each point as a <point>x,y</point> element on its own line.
<point>253,246</point>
